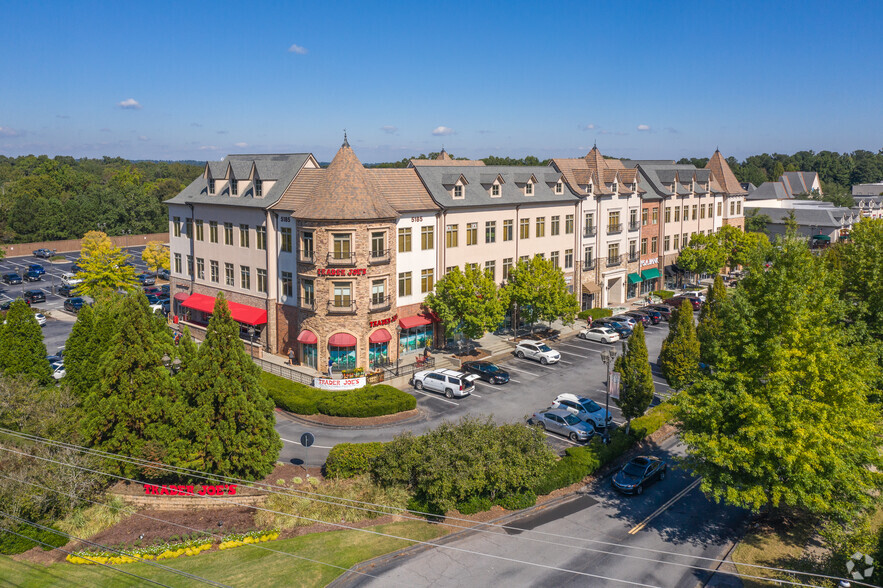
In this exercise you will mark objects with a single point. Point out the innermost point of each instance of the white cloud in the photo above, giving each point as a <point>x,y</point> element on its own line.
<point>241,144</point>
<point>207,148</point>
<point>129,104</point>
<point>389,129</point>
<point>297,49</point>
<point>442,130</point>
<point>7,132</point>
<point>643,127</point>
<point>143,138</point>
<point>588,127</point>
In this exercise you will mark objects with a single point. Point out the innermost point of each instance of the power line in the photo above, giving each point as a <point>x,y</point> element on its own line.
<point>335,501</point>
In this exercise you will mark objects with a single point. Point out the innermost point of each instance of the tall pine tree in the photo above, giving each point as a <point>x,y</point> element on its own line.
<point>679,358</point>
<point>710,327</point>
<point>636,379</point>
<point>22,352</point>
<point>80,367</point>
<point>231,415</point>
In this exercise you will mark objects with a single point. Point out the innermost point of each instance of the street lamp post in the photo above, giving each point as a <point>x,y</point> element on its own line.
<point>251,340</point>
<point>608,356</point>
<point>399,350</point>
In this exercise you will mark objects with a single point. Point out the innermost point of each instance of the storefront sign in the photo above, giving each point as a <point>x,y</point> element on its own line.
<point>182,490</point>
<point>651,261</point>
<point>382,322</point>
<point>341,272</point>
<point>346,384</point>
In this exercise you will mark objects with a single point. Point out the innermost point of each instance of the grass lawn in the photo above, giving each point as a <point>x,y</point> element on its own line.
<point>242,566</point>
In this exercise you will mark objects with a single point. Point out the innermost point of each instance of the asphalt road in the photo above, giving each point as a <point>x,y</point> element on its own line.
<point>671,516</point>
<point>532,387</point>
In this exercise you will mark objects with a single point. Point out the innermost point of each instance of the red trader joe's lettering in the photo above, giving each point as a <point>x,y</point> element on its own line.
<point>382,322</point>
<point>181,490</point>
<point>341,272</point>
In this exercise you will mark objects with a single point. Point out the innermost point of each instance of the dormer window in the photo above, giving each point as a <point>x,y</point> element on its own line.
<point>528,189</point>
<point>615,187</point>
<point>234,189</point>
<point>258,188</point>
<point>458,191</point>
<point>559,188</point>
<point>495,190</point>
<point>211,186</point>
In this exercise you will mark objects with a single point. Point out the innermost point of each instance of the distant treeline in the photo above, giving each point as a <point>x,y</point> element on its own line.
<point>44,198</point>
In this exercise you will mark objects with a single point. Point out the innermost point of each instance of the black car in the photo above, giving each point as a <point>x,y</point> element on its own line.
<point>75,269</point>
<point>165,288</point>
<point>639,472</point>
<point>33,277</point>
<point>32,296</point>
<point>640,317</point>
<point>163,274</point>
<point>662,309</point>
<point>67,290</point>
<point>74,304</point>
<point>12,279</point>
<point>146,279</point>
<point>152,299</point>
<point>622,329</point>
<point>487,371</point>
<point>8,303</point>
<point>655,316</point>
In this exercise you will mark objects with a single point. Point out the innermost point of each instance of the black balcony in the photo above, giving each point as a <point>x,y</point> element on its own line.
<point>590,231</point>
<point>614,261</point>
<point>379,303</point>
<point>634,256</point>
<point>614,228</point>
<point>634,225</point>
<point>341,258</point>
<point>308,305</point>
<point>378,256</point>
<point>588,265</point>
<point>341,307</point>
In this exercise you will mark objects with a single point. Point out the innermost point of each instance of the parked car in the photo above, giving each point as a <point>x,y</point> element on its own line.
<point>662,309</point>
<point>70,279</point>
<point>12,279</point>
<point>45,253</point>
<point>75,268</point>
<point>163,307</point>
<point>640,317</point>
<point>152,299</point>
<point>537,351</point>
<point>66,290</point>
<point>621,328</point>
<point>74,304</point>
<point>36,267</point>
<point>451,383</point>
<point>58,371</point>
<point>624,318</point>
<point>146,279</point>
<point>487,371</point>
<point>655,315</point>
<point>697,294</point>
<point>562,422</point>
<point>32,296</point>
<point>165,288</point>
<point>148,290</point>
<point>41,319</point>
<point>585,409</point>
<point>33,277</point>
<point>163,274</point>
<point>639,472</point>
<point>602,334</point>
<point>676,301</point>
<point>8,303</point>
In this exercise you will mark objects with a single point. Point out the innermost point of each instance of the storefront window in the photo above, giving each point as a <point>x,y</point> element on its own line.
<point>633,290</point>
<point>344,358</point>
<point>416,338</point>
<point>378,354</point>
<point>310,354</point>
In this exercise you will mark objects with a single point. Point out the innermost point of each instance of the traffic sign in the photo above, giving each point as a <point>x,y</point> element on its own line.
<point>307,439</point>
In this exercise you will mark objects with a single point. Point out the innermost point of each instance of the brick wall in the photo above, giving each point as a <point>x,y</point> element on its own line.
<point>190,502</point>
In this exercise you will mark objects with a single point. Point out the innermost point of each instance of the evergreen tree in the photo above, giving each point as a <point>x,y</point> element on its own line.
<point>80,367</point>
<point>679,358</point>
<point>186,350</point>
<point>636,382</point>
<point>231,415</point>
<point>22,351</point>
<point>710,328</point>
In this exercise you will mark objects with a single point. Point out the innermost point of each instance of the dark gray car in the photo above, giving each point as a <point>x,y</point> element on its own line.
<point>564,423</point>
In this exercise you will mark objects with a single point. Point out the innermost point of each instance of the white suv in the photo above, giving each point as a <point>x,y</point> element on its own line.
<point>69,279</point>
<point>585,408</point>
<point>444,381</point>
<point>537,351</point>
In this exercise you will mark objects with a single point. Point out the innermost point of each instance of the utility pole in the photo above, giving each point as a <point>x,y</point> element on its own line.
<point>608,356</point>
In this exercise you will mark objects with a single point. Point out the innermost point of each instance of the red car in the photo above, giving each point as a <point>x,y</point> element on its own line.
<point>678,300</point>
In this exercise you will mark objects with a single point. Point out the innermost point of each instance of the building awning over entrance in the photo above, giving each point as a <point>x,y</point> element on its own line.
<point>821,237</point>
<point>591,288</point>
<point>650,274</point>
<point>380,336</point>
<point>241,313</point>
<point>635,278</point>
<point>414,321</point>
<point>342,340</point>
<point>182,296</point>
<point>307,337</point>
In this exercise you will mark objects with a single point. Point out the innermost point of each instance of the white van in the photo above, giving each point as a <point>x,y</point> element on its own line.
<point>69,279</point>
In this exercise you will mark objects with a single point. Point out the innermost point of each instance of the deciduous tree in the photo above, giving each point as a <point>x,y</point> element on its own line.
<point>679,358</point>
<point>156,256</point>
<point>539,289</point>
<point>710,328</point>
<point>22,352</point>
<point>104,268</point>
<point>636,378</point>
<point>469,302</point>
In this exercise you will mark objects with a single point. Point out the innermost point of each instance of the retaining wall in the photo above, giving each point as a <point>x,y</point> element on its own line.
<point>68,245</point>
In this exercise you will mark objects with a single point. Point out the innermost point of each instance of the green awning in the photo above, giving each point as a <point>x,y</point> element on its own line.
<point>821,237</point>
<point>650,274</point>
<point>635,278</point>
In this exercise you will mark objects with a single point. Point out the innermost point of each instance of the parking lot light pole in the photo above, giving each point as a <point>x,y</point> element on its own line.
<point>399,348</point>
<point>608,356</point>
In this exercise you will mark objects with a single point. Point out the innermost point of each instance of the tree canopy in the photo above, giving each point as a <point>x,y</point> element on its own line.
<point>539,289</point>
<point>679,357</point>
<point>728,247</point>
<point>104,267</point>
<point>156,256</point>
<point>22,352</point>
<point>468,302</point>
<point>636,378</point>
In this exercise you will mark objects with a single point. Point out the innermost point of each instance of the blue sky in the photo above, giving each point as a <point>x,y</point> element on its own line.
<point>192,80</point>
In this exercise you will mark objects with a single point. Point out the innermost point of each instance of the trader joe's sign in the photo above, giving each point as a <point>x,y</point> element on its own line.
<point>184,490</point>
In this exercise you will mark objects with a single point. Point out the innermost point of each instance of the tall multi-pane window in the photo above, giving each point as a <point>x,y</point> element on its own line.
<point>244,277</point>
<point>720,208</point>
<point>633,249</point>
<point>668,214</point>
<point>472,233</point>
<point>702,210</point>
<point>234,187</point>
<point>644,246</point>
<point>677,214</point>
<point>308,293</point>
<point>590,222</point>
<point>666,243</point>
<point>458,191</point>
<point>633,217</point>
<point>177,263</point>
<point>287,284</point>
<point>214,273</point>
<point>495,190</point>
<point>343,294</point>
<point>262,280</point>
<point>568,258</point>
<point>568,224</point>
<point>490,232</point>
<point>674,242</point>
<point>285,245</point>
<point>427,280</point>
<point>258,188</point>
<point>228,274</point>
<point>524,228</point>
<point>243,235</point>
<point>213,231</point>
<point>261,237</point>
<point>378,244</point>
<point>613,223</point>
<point>555,258</point>
<point>507,267</point>
<point>342,246</point>
<point>228,233</point>
<point>200,268</point>
<point>684,241</point>
<point>645,216</point>
<point>555,227</point>
<point>427,238</point>
<point>451,235</point>
<point>612,252</point>
<point>404,239</point>
<point>528,189</point>
<point>190,265</point>
<point>738,207</point>
<point>508,229</point>
<point>654,241</point>
<point>378,292</point>
<point>490,268</point>
<point>589,257</point>
<point>306,245</point>
<point>176,226</point>
<point>188,226</point>
<point>541,226</point>
<point>200,230</point>
<point>655,216</point>
<point>404,283</point>
<point>695,212</point>
<point>732,208</point>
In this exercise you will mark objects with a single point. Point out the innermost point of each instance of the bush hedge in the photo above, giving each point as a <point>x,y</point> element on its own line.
<point>663,293</point>
<point>12,544</point>
<point>377,400</point>
<point>595,313</point>
<point>346,460</point>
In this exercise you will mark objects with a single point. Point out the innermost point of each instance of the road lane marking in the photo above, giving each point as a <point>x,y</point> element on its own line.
<point>660,383</point>
<point>662,508</point>
<point>298,443</point>
<point>435,397</point>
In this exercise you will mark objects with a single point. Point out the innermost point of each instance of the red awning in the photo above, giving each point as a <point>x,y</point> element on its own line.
<point>342,340</point>
<point>182,296</point>
<point>380,336</point>
<point>307,337</point>
<point>241,313</point>
<point>414,321</point>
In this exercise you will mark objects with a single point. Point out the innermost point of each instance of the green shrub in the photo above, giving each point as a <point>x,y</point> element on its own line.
<point>663,293</point>
<point>11,544</point>
<point>474,504</point>
<point>519,500</point>
<point>293,396</point>
<point>346,460</point>
<point>595,313</point>
<point>369,401</point>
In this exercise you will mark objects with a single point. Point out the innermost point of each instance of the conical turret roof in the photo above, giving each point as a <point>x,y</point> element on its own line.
<point>723,174</point>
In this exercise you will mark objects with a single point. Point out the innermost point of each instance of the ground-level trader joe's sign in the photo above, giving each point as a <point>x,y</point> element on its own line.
<point>184,490</point>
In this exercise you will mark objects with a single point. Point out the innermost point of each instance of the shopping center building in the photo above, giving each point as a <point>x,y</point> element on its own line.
<point>335,263</point>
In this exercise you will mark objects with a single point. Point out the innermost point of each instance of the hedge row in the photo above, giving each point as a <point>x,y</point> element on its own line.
<point>377,400</point>
<point>595,313</point>
<point>346,460</point>
<point>664,294</point>
<point>12,544</point>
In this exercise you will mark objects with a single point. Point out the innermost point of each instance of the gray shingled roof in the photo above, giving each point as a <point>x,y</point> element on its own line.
<point>280,168</point>
<point>475,193</point>
<point>769,190</point>
<point>819,216</point>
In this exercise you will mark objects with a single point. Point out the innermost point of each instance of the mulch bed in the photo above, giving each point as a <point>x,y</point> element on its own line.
<point>474,356</point>
<point>323,419</point>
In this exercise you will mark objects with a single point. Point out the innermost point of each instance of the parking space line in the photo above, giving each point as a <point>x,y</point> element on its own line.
<point>548,367</point>
<point>516,381</point>
<point>569,353</point>
<point>474,394</point>
<point>564,362</point>
<point>662,508</point>
<point>660,383</point>
<point>435,397</point>
<point>523,371</point>
<point>560,438</point>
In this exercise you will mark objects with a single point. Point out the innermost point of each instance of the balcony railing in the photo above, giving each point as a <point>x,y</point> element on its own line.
<point>590,231</point>
<point>634,225</point>
<point>379,303</point>
<point>614,260</point>
<point>306,256</point>
<point>588,265</point>
<point>614,228</point>
<point>308,305</point>
<point>341,307</point>
<point>341,258</point>
<point>378,256</point>
<point>634,256</point>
